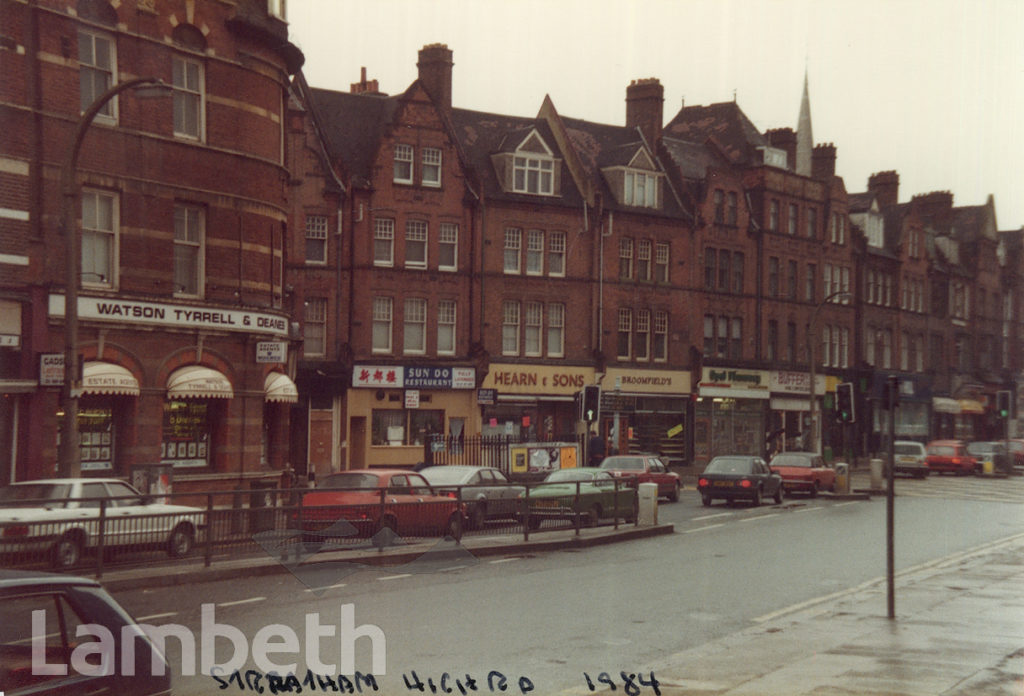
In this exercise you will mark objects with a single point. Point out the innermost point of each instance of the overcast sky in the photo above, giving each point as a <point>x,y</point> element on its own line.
<point>933,89</point>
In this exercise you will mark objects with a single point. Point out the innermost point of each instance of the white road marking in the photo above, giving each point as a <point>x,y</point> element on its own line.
<point>140,619</point>
<point>328,587</point>
<point>760,517</point>
<point>809,509</point>
<point>241,601</point>
<point>711,517</point>
<point>396,577</point>
<point>505,560</point>
<point>458,567</point>
<point>702,529</point>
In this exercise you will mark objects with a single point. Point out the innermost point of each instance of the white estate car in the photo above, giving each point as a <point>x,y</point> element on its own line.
<point>62,517</point>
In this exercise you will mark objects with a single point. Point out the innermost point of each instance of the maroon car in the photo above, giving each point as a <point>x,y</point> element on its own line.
<point>804,472</point>
<point>644,468</point>
<point>950,456</point>
<point>374,499</point>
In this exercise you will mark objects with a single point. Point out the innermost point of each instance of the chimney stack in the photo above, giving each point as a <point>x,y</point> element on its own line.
<point>435,73</point>
<point>784,139</point>
<point>645,100</point>
<point>823,162</point>
<point>364,87</point>
<point>934,204</point>
<point>886,187</point>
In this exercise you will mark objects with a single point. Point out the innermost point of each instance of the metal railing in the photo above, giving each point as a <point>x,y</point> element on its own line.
<point>103,533</point>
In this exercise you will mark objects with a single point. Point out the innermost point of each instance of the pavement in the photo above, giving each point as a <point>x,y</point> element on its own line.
<point>957,629</point>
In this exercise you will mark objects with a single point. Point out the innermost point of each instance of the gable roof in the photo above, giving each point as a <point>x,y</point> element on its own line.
<point>726,123</point>
<point>352,126</point>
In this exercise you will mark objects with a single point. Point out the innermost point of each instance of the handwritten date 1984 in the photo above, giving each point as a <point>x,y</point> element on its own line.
<point>632,684</point>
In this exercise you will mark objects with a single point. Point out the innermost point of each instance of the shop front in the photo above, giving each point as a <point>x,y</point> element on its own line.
<point>731,412</point>
<point>647,411</point>
<point>106,415</point>
<point>912,420</point>
<point>534,402</point>
<point>395,409</point>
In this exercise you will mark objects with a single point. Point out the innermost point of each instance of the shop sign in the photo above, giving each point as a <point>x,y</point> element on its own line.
<point>648,381</point>
<point>790,382</point>
<point>440,377</point>
<point>271,352</point>
<point>51,369</point>
<point>412,398</point>
<point>727,378</point>
<point>538,379</point>
<point>486,397</point>
<point>377,376</point>
<point>10,340</point>
<point>172,315</point>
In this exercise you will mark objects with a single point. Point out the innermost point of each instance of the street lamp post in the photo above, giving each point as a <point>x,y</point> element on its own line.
<point>68,455</point>
<point>812,360</point>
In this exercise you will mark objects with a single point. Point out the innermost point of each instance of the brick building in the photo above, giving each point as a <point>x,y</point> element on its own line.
<point>181,204</point>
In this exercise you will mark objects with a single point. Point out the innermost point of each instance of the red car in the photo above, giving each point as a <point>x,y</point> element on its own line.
<point>374,499</point>
<point>644,468</point>
<point>950,455</point>
<point>804,472</point>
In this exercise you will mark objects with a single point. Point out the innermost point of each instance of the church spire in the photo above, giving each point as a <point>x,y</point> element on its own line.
<point>804,136</point>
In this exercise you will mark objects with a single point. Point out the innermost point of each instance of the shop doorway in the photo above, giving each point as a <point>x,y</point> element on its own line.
<point>357,442</point>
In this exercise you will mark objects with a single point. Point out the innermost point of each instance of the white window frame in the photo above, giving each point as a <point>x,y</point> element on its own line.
<point>100,239</point>
<point>556,254</point>
<point>89,70</point>
<point>384,242</point>
<point>316,240</point>
<point>625,334</point>
<point>533,329</point>
<point>383,314</point>
<point>533,173</point>
<point>640,189</point>
<point>189,98</point>
<point>510,327</point>
<point>446,325</point>
<point>556,330</point>
<point>404,157</point>
<point>448,241</point>
<point>535,252</point>
<point>662,255</point>
<point>626,258</point>
<point>642,345</point>
<point>430,167</point>
<point>792,219</point>
<point>416,235</point>
<point>643,260</point>
<point>660,337</point>
<point>314,329</point>
<point>513,245</point>
<point>190,238</point>
<point>414,320</point>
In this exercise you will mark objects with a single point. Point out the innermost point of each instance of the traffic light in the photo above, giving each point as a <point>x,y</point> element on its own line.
<point>892,391</point>
<point>1003,403</point>
<point>844,403</point>
<point>590,406</point>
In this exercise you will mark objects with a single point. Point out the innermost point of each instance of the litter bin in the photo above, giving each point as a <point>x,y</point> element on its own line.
<point>261,505</point>
<point>877,467</point>
<point>842,478</point>
<point>647,495</point>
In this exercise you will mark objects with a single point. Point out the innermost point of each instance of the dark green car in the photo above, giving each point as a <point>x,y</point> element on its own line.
<point>589,492</point>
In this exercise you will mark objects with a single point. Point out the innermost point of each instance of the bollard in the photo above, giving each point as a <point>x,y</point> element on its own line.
<point>647,494</point>
<point>842,478</point>
<point>877,481</point>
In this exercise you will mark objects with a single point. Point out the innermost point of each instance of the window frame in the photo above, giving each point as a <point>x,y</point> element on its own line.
<point>314,315</point>
<point>109,112</point>
<point>533,171</point>
<point>534,252</point>
<point>556,330</point>
<point>384,232</point>
<point>556,254</point>
<point>198,94</point>
<point>428,166</point>
<point>447,318</point>
<point>511,318</point>
<point>88,269</point>
<point>644,248</point>
<point>448,239</point>
<point>662,259</point>
<point>533,329</point>
<point>198,245</point>
<point>382,318</point>
<point>417,236</point>
<point>414,317</point>
<point>659,349</point>
<point>513,251</point>
<point>404,156</point>
<point>625,334</point>
<point>642,344</point>
<point>316,226</point>
<point>625,258</point>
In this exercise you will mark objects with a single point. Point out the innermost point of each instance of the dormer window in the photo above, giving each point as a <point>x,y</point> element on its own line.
<point>533,175</point>
<point>641,189</point>
<point>636,181</point>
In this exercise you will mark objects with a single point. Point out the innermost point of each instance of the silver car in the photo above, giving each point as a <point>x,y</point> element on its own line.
<point>911,458</point>
<point>486,491</point>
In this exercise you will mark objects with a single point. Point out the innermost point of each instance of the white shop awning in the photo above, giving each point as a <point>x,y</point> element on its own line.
<point>108,378</point>
<point>943,404</point>
<point>198,382</point>
<point>279,388</point>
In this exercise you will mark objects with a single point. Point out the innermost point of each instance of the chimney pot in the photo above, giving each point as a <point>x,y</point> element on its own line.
<point>435,73</point>
<point>645,101</point>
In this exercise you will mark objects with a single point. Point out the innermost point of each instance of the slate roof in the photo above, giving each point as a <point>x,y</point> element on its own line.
<point>860,202</point>
<point>732,131</point>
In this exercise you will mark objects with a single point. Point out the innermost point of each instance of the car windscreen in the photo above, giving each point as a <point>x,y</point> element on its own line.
<point>729,465</point>
<point>440,475</point>
<point>35,491</point>
<point>942,451</point>
<point>630,463</point>
<point>906,448</point>
<point>349,480</point>
<point>791,460</point>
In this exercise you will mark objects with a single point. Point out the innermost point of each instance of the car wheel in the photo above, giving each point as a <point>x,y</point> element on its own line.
<point>477,516</point>
<point>535,522</point>
<point>454,526</point>
<point>386,523</point>
<point>705,500</point>
<point>67,552</point>
<point>780,494</point>
<point>179,544</point>
<point>592,517</point>
<point>673,497</point>
<point>815,489</point>
<point>756,500</point>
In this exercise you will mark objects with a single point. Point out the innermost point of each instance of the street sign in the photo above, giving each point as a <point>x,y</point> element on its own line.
<point>271,352</point>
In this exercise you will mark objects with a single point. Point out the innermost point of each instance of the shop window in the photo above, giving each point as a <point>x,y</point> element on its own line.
<point>187,428</point>
<point>96,438</point>
<point>405,427</point>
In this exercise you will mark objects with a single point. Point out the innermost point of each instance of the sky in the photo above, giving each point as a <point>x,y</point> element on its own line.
<point>933,89</point>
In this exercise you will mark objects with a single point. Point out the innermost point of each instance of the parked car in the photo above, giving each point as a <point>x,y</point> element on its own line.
<point>804,472</point>
<point>991,455</point>
<point>374,499</point>
<point>950,456</point>
<point>644,468</point>
<point>62,517</point>
<point>68,603</point>
<point>587,491</point>
<point>739,477</point>
<point>486,491</point>
<point>910,458</point>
